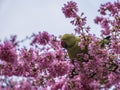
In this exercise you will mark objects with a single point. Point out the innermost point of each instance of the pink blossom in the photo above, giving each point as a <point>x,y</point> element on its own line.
<point>70,9</point>
<point>58,85</point>
<point>8,52</point>
<point>19,70</point>
<point>28,55</point>
<point>45,60</point>
<point>105,32</point>
<point>59,68</point>
<point>98,19</point>
<point>41,38</point>
<point>115,46</point>
<point>74,84</point>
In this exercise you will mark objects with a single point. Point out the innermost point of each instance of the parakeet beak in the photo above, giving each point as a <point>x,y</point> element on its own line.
<point>63,44</point>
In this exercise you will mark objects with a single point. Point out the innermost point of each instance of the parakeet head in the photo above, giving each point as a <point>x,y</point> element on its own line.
<point>68,40</point>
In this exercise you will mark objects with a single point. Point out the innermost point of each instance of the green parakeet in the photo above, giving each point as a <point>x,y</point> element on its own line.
<point>70,42</point>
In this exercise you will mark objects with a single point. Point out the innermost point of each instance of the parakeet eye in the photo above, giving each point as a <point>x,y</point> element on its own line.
<point>63,44</point>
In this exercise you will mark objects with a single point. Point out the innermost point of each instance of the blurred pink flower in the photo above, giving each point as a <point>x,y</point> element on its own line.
<point>8,52</point>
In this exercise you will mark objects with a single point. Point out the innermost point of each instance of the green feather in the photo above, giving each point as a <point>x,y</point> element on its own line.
<point>72,43</point>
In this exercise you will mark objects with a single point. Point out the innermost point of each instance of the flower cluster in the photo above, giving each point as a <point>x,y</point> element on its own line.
<point>8,52</point>
<point>41,38</point>
<point>70,11</point>
<point>110,24</point>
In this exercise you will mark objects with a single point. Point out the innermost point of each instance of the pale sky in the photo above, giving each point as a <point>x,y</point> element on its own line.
<point>24,17</point>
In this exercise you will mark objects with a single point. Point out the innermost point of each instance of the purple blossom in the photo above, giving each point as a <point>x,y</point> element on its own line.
<point>109,19</point>
<point>45,60</point>
<point>41,38</point>
<point>105,32</point>
<point>59,68</point>
<point>28,55</point>
<point>58,85</point>
<point>70,9</point>
<point>74,84</point>
<point>8,52</point>
<point>19,70</point>
<point>98,19</point>
<point>115,46</point>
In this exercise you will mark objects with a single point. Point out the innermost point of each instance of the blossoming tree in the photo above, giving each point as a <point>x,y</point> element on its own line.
<point>46,65</point>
